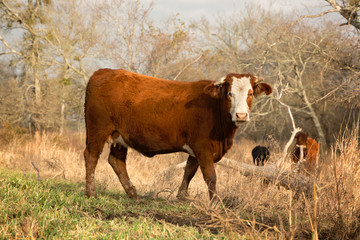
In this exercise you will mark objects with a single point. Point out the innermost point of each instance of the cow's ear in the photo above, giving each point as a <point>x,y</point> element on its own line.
<point>213,90</point>
<point>262,87</point>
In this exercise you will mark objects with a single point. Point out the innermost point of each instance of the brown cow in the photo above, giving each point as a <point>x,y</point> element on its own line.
<point>310,149</point>
<point>156,116</point>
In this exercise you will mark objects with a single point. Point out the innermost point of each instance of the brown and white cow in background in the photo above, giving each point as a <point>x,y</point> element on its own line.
<point>156,116</point>
<point>310,150</point>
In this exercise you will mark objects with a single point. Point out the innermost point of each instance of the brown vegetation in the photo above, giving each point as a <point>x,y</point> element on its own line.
<point>333,212</point>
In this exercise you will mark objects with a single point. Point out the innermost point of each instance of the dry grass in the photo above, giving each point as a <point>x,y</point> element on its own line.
<point>248,206</point>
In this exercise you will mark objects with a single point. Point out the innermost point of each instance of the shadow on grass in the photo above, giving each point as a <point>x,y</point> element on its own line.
<point>198,221</point>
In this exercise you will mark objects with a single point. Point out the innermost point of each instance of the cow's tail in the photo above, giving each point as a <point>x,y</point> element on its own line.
<point>85,109</point>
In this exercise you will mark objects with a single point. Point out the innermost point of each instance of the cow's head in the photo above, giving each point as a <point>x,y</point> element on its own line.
<point>239,90</point>
<point>301,138</point>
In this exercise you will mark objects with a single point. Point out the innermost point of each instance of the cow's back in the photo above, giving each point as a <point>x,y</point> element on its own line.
<point>132,90</point>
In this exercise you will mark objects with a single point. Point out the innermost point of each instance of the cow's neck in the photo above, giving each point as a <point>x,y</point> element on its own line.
<point>224,129</point>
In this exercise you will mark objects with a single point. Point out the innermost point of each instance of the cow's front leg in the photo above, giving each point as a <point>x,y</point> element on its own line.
<point>117,159</point>
<point>208,170</point>
<point>190,170</point>
<point>209,175</point>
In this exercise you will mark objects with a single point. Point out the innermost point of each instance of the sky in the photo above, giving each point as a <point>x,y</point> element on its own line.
<point>196,9</point>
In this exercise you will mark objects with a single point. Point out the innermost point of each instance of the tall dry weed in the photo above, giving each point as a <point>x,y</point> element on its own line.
<point>341,198</point>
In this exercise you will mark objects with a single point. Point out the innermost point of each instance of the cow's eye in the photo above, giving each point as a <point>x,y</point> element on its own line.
<point>229,94</point>
<point>251,94</point>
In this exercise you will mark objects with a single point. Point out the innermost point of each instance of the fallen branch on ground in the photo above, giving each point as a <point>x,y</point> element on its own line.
<point>290,180</point>
<point>271,172</point>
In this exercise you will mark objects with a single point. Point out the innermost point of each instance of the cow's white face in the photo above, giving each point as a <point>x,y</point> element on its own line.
<point>240,95</point>
<point>239,90</point>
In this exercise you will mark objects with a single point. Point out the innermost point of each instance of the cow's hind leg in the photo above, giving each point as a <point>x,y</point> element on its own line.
<point>262,159</point>
<point>91,154</point>
<point>258,160</point>
<point>117,159</point>
<point>190,170</point>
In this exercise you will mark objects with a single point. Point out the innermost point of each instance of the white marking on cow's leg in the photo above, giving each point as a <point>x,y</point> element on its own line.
<point>188,150</point>
<point>120,140</point>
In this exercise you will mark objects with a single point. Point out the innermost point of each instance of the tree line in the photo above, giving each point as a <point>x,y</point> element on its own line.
<point>49,49</point>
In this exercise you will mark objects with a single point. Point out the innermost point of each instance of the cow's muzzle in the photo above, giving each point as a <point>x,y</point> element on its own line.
<point>242,117</point>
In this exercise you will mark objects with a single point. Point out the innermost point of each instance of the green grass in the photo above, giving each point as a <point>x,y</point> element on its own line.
<point>50,209</point>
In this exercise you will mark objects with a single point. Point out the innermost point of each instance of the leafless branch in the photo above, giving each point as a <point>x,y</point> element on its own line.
<point>312,16</point>
<point>272,172</point>
<point>186,66</point>
<point>330,93</point>
<point>348,12</point>
<point>37,170</point>
<point>12,13</point>
<point>12,50</point>
<point>293,133</point>
<point>301,160</point>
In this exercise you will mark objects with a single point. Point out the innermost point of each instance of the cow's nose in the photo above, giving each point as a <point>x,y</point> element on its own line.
<point>241,117</point>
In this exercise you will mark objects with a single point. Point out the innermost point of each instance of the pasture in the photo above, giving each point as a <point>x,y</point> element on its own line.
<point>55,205</point>
<point>48,51</point>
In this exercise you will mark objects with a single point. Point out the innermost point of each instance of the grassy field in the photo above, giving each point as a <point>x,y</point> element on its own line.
<point>52,208</point>
<point>53,204</point>
<point>46,209</point>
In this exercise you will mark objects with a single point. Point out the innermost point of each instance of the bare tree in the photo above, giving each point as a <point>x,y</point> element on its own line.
<point>309,61</point>
<point>61,43</point>
<point>124,37</point>
<point>58,40</point>
<point>172,50</point>
<point>132,41</point>
<point>29,18</point>
<point>349,9</point>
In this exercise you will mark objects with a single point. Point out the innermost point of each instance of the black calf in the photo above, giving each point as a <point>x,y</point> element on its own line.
<point>260,155</point>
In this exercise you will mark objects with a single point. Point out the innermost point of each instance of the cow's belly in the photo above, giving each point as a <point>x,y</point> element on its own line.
<point>150,144</point>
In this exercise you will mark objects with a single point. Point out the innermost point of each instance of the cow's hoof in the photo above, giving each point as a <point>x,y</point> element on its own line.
<point>91,195</point>
<point>132,194</point>
<point>216,202</point>
<point>182,195</point>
